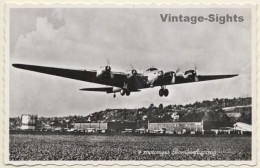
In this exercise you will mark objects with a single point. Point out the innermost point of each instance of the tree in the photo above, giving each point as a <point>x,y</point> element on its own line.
<point>151,106</point>
<point>160,106</point>
<point>245,117</point>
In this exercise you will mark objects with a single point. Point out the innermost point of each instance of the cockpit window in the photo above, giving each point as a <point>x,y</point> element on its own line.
<point>152,69</point>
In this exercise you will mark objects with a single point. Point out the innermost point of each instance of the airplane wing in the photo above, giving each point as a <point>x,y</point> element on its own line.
<point>67,73</point>
<point>82,75</point>
<point>117,79</point>
<point>200,78</point>
<point>214,77</point>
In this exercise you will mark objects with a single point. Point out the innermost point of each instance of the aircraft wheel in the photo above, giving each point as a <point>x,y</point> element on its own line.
<point>114,96</point>
<point>166,92</point>
<point>161,92</point>
<point>127,93</point>
<point>122,92</point>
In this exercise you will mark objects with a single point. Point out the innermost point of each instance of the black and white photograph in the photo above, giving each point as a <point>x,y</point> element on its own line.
<point>131,83</point>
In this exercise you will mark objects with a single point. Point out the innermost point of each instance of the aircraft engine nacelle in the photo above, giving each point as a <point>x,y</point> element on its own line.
<point>104,72</point>
<point>190,74</point>
<point>132,73</point>
<point>170,76</point>
<point>160,74</point>
<point>107,68</point>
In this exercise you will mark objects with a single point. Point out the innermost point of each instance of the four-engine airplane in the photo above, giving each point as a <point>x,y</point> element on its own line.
<point>126,82</point>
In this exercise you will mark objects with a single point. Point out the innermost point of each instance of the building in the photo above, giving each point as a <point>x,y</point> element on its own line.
<point>119,126</point>
<point>29,122</point>
<point>216,125</point>
<point>177,127</point>
<point>95,126</point>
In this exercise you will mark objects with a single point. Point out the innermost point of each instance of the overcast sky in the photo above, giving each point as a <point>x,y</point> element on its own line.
<point>87,38</point>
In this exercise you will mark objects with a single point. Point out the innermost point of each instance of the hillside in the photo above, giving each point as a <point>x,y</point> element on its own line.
<point>218,110</point>
<point>206,110</point>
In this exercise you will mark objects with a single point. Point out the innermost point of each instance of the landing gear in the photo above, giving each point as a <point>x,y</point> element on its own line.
<point>163,92</point>
<point>114,95</point>
<point>122,92</point>
<point>125,92</point>
<point>166,92</point>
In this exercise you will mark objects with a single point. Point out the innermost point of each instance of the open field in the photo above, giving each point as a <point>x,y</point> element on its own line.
<point>122,147</point>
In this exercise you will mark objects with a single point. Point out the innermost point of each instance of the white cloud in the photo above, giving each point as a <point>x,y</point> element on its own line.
<point>44,33</point>
<point>57,13</point>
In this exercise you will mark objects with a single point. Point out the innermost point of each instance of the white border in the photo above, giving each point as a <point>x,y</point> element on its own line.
<point>134,162</point>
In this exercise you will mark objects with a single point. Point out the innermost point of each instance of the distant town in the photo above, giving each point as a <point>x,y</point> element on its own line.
<point>217,115</point>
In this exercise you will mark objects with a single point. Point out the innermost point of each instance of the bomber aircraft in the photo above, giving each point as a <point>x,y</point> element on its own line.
<point>126,82</point>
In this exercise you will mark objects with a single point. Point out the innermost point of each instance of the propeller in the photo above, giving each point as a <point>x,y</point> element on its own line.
<point>195,67</point>
<point>108,61</point>
<point>105,71</point>
<point>177,70</point>
<point>196,71</point>
<point>133,70</point>
<point>132,66</point>
<point>192,74</point>
<point>108,67</point>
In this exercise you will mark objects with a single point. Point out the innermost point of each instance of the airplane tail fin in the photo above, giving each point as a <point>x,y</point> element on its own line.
<point>104,89</point>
